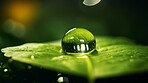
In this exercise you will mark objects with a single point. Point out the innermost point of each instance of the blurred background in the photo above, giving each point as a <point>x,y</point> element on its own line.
<point>24,21</point>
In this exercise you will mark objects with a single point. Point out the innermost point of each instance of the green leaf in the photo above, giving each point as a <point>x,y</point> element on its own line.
<point>114,57</point>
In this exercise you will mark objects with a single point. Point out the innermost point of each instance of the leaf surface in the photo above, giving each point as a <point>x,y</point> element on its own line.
<point>114,57</point>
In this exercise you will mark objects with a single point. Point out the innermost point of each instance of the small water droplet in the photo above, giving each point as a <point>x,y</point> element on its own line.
<point>32,57</point>
<point>29,67</point>
<point>5,70</point>
<point>78,40</point>
<point>62,79</point>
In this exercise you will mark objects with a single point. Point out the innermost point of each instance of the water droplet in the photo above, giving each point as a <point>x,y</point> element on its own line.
<point>32,57</point>
<point>5,70</point>
<point>78,40</point>
<point>29,67</point>
<point>62,79</point>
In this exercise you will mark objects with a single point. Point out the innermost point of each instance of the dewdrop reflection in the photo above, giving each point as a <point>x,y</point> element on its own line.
<point>82,48</point>
<point>87,48</point>
<point>78,47</point>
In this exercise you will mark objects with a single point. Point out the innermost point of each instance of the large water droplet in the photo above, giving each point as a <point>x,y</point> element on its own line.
<point>78,40</point>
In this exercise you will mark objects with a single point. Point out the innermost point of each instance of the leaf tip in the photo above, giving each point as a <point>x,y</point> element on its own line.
<point>3,50</point>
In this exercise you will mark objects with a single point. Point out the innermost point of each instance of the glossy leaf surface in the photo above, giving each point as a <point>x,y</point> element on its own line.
<point>114,57</point>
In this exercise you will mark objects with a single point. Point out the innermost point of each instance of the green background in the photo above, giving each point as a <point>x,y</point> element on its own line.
<point>53,18</point>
